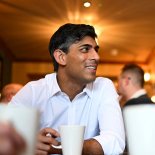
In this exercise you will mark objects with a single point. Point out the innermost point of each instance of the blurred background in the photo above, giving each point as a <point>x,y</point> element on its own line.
<point>125,28</point>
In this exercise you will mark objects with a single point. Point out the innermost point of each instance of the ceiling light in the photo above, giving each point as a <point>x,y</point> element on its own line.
<point>86,4</point>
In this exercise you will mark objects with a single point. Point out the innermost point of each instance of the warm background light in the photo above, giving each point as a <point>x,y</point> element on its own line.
<point>153,98</point>
<point>147,76</point>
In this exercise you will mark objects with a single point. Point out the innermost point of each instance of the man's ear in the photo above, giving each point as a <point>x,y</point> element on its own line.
<point>60,56</point>
<point>127,81</point>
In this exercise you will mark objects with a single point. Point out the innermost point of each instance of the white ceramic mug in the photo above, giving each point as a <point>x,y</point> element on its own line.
<point>72,138</point>
<point>26,122</point>
<point>140,129</point>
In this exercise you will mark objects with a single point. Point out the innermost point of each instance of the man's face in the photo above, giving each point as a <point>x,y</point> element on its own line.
<point>123,82</point>
<point>82,61</point>
<point>120,84</point>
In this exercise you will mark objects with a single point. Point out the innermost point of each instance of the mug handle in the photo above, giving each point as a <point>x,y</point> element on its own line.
<point>54,146</point>
<point>57,147</point>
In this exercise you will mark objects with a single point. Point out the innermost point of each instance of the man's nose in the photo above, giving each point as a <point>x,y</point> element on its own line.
<point>95,55</point>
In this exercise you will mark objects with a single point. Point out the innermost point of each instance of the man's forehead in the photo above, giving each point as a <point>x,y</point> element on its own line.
<point>123,74</point>
<point>88,40</point>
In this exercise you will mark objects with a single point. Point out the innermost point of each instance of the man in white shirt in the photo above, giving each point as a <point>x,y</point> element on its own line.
<point>73,95</point>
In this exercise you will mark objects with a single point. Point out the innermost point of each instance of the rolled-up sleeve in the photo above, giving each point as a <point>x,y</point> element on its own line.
<point>112,135</point>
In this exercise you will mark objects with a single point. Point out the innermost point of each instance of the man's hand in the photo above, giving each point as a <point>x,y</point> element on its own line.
<point>45,142</point>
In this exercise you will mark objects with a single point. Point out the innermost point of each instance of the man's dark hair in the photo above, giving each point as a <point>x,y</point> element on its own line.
<point>66,35</point>
<point>137,71</point>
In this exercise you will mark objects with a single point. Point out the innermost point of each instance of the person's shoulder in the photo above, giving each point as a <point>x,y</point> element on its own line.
<point>50,76</point>
<point>143,99</point>
<point>103,83</point>
<point>102,80</point>
<point>45,81</point>
<point>104,87</point>
<point>47,77</point>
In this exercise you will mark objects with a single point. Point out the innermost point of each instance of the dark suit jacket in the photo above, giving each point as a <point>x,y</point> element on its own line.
<point>143,99</point>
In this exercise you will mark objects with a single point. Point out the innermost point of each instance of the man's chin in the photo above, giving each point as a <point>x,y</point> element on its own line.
<point>91,79</point>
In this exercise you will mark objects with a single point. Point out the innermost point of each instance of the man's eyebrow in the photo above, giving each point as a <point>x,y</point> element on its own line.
<point>88,45</point>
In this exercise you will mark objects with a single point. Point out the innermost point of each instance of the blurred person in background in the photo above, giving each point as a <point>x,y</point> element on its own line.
<point>8,91</point>
<point>131,85</point>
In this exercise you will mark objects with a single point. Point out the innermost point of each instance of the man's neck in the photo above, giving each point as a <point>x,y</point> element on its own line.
<point>71,88</point>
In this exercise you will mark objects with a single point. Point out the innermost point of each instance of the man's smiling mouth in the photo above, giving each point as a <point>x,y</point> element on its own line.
<point>92,67</point>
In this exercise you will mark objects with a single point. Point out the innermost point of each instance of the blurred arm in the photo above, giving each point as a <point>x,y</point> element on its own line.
<point>10,141</point>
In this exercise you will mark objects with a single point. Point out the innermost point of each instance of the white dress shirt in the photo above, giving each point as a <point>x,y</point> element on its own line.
<point>96,107</point>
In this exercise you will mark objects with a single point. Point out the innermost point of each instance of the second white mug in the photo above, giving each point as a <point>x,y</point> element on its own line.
<point>140,128</point>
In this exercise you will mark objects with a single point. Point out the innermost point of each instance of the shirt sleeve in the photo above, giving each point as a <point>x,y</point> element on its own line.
<point>112,135</point>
